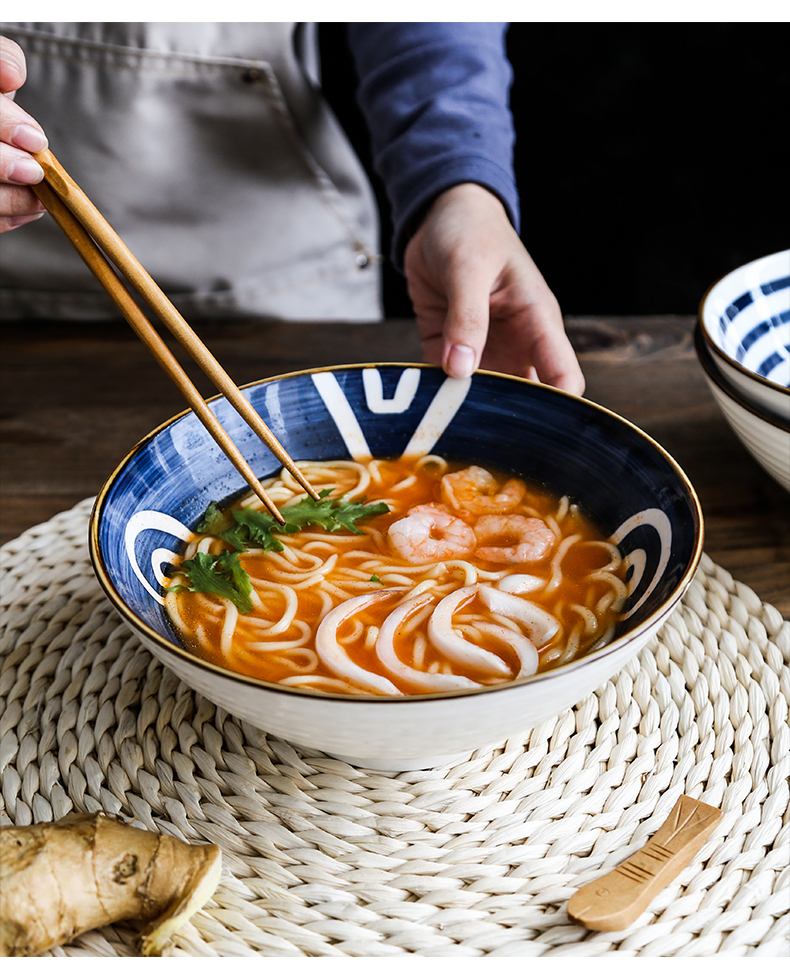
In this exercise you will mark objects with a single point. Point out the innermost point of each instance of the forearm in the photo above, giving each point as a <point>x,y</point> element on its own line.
<point>435,96</point>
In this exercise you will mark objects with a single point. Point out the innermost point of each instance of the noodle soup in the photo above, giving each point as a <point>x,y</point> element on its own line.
<point>467,578</point>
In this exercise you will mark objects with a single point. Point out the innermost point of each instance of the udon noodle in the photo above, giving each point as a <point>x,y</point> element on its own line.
<point>472,578</point>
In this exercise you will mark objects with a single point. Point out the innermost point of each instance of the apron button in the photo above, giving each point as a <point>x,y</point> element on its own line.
<point>251,75</point>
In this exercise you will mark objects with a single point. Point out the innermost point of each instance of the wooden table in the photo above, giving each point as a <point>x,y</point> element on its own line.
<point>75,398</point>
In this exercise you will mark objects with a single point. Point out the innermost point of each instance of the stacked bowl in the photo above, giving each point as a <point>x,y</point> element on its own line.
<point>743,344</point>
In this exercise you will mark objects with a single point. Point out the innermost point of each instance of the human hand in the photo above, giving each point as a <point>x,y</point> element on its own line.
<point>20,134</point>
<point>480,300</point>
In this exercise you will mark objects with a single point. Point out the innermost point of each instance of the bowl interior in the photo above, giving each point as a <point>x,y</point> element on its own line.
<point>622,480</point>
<point>746,318</point>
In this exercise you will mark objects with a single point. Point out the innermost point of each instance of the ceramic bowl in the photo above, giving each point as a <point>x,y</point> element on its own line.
<point>745,322</point>
<point>763,434</point>
<point>630,487</point>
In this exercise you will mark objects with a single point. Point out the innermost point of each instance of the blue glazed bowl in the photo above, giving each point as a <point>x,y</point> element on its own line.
<point>624,481</point>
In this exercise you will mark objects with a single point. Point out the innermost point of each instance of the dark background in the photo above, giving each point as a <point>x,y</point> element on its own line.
<point>651,158</point>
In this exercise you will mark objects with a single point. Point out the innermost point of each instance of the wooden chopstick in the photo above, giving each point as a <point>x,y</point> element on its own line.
<point>98,227</point>
<point>104,272</point>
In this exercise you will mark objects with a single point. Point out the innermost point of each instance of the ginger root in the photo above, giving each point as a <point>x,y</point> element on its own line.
<point>59,879</point>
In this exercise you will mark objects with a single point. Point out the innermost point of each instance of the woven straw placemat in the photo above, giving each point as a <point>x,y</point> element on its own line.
<point>476,859</point>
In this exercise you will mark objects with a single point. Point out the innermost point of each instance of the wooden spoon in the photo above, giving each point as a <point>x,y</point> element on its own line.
<point>616,899</point>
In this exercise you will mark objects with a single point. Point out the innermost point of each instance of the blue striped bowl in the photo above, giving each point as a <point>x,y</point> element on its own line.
<point>745,323</point>
<point>765,436</point>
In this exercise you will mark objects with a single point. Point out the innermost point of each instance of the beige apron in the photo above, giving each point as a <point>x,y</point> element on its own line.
<point>210,150</point>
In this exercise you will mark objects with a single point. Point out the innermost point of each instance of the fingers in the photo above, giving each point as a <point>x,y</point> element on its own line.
<point>12,222</point>
<point>18,167</point>
<point>13,70</point>
<point>560,368</point>
<point>20,130</point>
<point>466,322</point>
<point>17,128</point>
<point>497,315</point>
<point>479,299</point>
<point>550,352</point>
<point>18,203</point>
<point>503,316</point>
<point>452,308</point>
<point>20,134</point>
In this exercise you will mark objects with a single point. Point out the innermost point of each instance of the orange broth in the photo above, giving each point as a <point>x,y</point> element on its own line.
<point>366,562</point>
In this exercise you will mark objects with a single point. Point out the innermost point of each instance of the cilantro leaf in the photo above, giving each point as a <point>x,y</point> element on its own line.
<point>333,515</point>
<point>245,528</point>
<point>253,529</point>
<point>219,575</point>
<point>347,514</point>
<point>214,520</point>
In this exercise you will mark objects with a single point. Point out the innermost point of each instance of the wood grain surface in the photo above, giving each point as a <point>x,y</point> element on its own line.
<point>75,398</point>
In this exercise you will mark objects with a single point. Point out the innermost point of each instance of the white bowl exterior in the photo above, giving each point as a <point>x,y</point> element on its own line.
<point>405,735</point>
<point>768,444</point>
<point>775,401</point>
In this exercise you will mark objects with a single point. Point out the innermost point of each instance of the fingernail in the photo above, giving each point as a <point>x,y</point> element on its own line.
<point>461,361</point>
<point>19,221</point>
<point>26,171</point>
<point>29,138</point>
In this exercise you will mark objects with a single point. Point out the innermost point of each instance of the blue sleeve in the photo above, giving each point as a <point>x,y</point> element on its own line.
<point>436,100</point>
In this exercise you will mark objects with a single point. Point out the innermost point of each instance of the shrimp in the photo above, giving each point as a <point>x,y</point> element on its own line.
<point>430,533</point>
<point>476,491</point>
<point>516,539</point>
